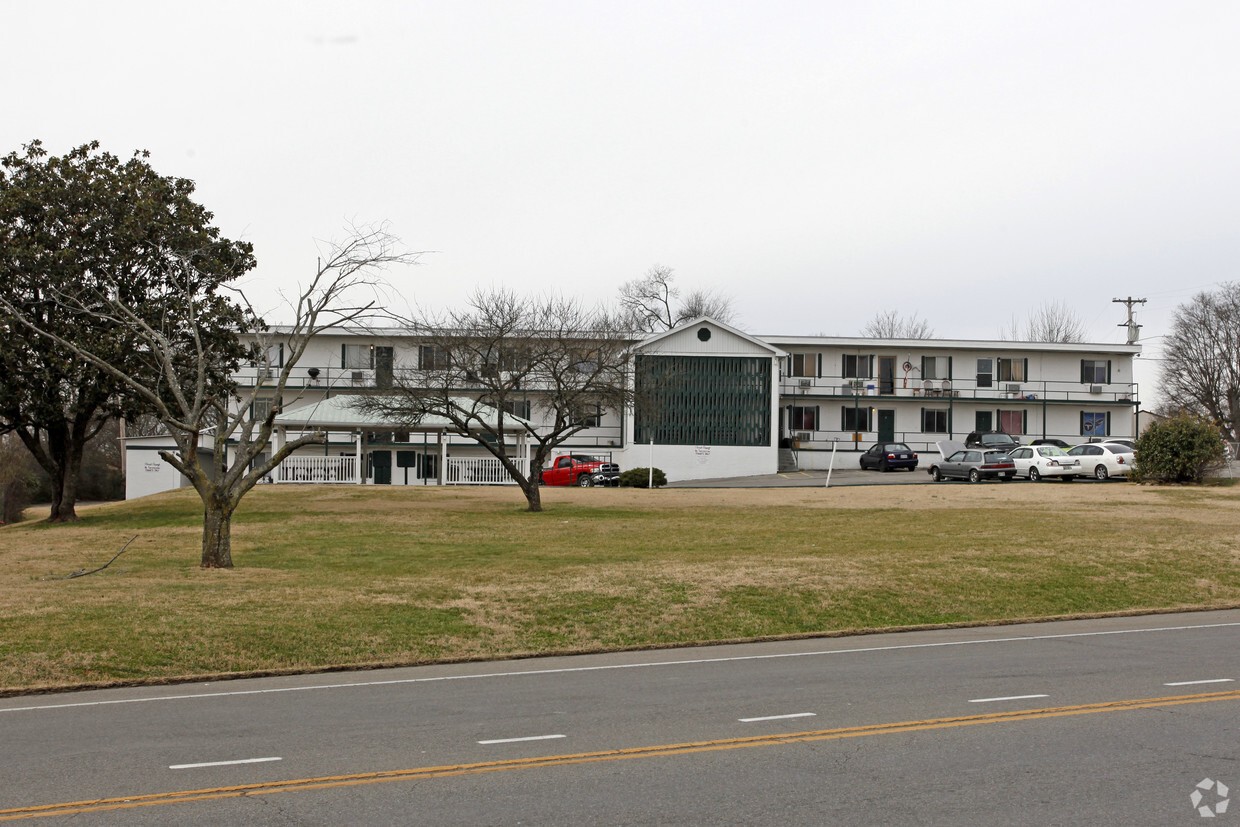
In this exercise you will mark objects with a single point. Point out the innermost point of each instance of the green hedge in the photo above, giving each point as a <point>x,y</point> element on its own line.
<point>640,478</point>
<point>1183,448</point>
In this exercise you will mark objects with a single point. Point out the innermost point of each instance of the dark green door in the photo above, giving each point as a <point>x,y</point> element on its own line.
<point>983,421</point>
<point>886,426</point>
<point>383,368</point>
<point>381,462</point>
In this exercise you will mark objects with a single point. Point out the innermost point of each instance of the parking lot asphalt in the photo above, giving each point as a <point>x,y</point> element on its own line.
<point>810,479</point>
<point>855,476</point>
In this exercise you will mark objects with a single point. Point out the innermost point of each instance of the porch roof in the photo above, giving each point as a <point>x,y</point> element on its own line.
<point>340,413</point>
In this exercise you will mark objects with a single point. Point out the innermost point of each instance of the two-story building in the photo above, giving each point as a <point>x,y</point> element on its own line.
<point>736,402</point>
<point>920,391</point>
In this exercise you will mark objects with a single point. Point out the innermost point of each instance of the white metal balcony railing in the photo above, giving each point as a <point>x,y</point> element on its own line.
<point>317,469</point>
<point>1027,391</point>
<point>480,471</point>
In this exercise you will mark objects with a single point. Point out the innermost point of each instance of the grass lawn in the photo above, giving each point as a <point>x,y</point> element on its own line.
<point>350,576</point>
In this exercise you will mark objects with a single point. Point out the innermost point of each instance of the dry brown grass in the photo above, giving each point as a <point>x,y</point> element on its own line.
<point>337,576</point>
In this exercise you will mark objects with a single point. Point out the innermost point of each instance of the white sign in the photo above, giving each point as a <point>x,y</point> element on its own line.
<point>702,454</point>
<point>152,466</point>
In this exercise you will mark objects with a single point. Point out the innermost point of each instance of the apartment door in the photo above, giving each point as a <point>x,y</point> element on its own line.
<point>383,368</point>
<point>886,374</point>
<point>381,465</point>
<point>886,426</point>
<point>984,421</point>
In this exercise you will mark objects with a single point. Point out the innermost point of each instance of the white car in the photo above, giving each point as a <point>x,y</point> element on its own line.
<point>1105,459</point>
<point>1039,461</point>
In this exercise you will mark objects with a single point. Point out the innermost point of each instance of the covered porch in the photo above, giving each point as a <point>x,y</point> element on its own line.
<point>364,451</point>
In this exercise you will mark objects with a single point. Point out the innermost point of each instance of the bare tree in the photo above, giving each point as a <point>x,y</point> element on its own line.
<point>544,365</point>
<point>1052,321</point>
<point>1201,357</point>
<point>890,324</point>
<point>190,358</point>
<point>653,303</point>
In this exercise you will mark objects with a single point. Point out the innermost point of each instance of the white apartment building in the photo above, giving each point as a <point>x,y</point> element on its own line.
<point>742,405</point>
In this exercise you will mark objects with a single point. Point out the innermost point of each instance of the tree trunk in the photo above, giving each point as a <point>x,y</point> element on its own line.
<point>217,537</point>
<point>64,496</point>
<point>533,493</point>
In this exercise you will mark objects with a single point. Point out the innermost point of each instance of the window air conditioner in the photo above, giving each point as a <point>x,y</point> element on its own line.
<point>802,436</point>
<point>359,378</point>
<point>857,384</point>
<point>1013,388</point>
<point>805,383</point>
<point>1095,388</point>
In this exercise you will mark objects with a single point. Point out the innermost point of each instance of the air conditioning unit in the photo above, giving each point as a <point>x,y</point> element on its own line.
<point>1013,388</point>
<point>802,436</point>
<point>359,378</point>
<point>857,384</point>
<point>1095,388</point>
<point>805,383</point>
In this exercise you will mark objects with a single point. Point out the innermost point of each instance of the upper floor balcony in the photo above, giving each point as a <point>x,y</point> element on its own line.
<point>960,389</point>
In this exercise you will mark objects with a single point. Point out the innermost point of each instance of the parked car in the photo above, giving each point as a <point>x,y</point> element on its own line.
<point>1058,443</point>
<point>885,456</point>
<point>1038,461</point>
<point>582,470</point>
<point>1104,459</point>
<point>991,440</point>
<point>974,465</point>
<point>1130,443</point>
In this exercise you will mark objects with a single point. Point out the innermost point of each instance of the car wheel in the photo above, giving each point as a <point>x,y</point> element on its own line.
<point>1100,471</point>
<point>935,475</point>
<point>585,481</point>
<point>975,475</point>
<point>1034,474</point>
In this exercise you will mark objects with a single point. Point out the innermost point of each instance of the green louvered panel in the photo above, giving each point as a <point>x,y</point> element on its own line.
<point>703,400</point>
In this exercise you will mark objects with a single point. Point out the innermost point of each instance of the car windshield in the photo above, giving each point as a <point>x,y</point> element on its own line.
<point>1052,451</point>
<point>897,446</point>
<point>1118,449</point>
<point>585,458</point>
<point>997,439</point>
<point>995,456</point>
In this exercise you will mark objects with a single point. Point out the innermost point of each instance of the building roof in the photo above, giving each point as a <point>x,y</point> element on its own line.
<point>341,412</point>
<point>870,344</point>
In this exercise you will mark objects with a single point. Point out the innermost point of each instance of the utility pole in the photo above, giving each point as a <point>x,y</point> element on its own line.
<point>1134,329</point>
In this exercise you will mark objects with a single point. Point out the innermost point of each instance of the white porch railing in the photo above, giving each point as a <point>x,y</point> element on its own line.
<point>317,469</point>
<point>480,471</point>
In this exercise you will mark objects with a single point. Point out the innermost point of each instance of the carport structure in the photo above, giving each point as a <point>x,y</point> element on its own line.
<point>361,447</point>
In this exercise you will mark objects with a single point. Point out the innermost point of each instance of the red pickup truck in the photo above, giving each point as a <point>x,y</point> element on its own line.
<point>581,469</point>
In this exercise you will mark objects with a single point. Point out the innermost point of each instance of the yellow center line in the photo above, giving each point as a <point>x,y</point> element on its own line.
<point>326,782</point>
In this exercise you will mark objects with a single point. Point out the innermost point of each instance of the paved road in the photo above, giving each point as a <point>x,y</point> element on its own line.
<point>1112,721</point>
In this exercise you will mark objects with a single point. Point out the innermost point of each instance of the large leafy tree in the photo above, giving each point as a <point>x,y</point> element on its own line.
<point>76,232</point>
<point>1201,357</point>
<point>187,340</point>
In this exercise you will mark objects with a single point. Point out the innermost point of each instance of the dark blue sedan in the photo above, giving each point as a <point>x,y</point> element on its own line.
<point>886,456</point>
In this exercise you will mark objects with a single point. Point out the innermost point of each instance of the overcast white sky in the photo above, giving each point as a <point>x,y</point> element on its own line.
<point>819,162</point>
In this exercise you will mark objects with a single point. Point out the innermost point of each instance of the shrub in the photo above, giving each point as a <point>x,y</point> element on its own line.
<point>640,478</point>
<point>1180,449</point>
